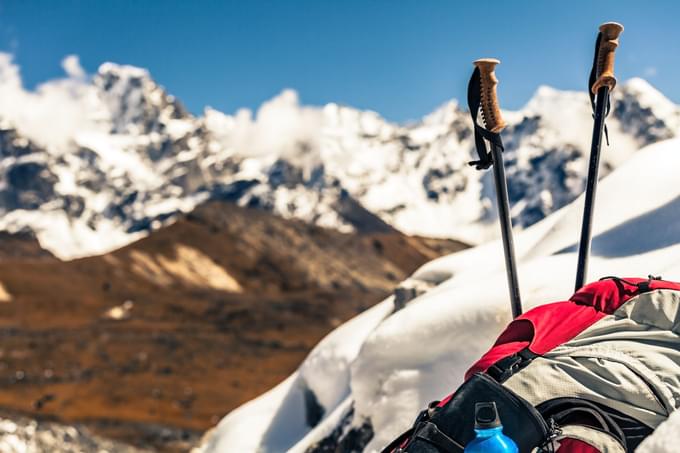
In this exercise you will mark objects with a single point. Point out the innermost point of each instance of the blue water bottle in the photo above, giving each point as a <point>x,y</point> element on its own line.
<point>490,437</point>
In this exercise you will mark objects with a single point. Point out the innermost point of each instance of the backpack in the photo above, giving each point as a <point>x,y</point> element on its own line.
<point>595,373</point>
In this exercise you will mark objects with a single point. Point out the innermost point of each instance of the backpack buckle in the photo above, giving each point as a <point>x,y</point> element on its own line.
<point>504,368</point>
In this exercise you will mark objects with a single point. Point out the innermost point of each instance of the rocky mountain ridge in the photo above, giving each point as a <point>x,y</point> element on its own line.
<point>134,158</point>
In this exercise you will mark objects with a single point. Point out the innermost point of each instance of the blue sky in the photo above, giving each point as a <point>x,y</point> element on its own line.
<point>400,58</point>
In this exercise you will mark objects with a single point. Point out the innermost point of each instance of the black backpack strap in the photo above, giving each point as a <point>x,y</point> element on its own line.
<point>423,417</point>
<point>643,287</point>
<point>393,446</point>
<point>503,369</point>
<point>485,159</point>
<point>429,432</point>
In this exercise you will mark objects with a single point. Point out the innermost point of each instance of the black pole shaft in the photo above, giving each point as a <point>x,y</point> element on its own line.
<point>506,229</point>
<point>591,186</point>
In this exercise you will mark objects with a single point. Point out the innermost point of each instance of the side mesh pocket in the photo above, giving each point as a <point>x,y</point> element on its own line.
<point>451,427</point>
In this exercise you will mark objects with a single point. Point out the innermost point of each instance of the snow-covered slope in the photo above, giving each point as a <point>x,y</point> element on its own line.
<point>367,380</point>
<point>90,163</point>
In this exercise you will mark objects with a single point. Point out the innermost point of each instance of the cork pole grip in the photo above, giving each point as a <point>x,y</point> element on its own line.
<point>605,61</point>
<point>491,112</point>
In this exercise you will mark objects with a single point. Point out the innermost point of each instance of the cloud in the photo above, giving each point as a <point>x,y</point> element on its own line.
<point>71,65</point>
<point>650,71</point>
<point>56,111</point>
<point>281,127</point>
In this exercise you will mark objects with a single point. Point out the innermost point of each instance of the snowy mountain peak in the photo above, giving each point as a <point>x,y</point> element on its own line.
<point>137,104</point>
<point>648,97</point>
<point>122,71</point>
<point>640,87</point>
<point>644,113</point>
<point>547,100</point>
<point>124,156</point>
<point>445,115</point>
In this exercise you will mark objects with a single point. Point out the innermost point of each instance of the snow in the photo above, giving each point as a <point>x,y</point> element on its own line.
<point>274,418</point>
<point>651,97</point>
<point>123,71</point>
<point>421,352</point>
<point>57,232</point>
<point>326,369</point>
<point>116,158</point>
<point>322,430</point>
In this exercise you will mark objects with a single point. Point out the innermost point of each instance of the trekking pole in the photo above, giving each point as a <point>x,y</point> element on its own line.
<point>601,83</point>
<point>482,93</point>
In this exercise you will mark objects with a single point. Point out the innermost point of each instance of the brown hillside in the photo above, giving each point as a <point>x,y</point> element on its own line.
<point>181,327</point>
<point>23,245</point>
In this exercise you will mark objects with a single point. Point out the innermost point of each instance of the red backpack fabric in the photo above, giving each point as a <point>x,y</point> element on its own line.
<point>548,326</point>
